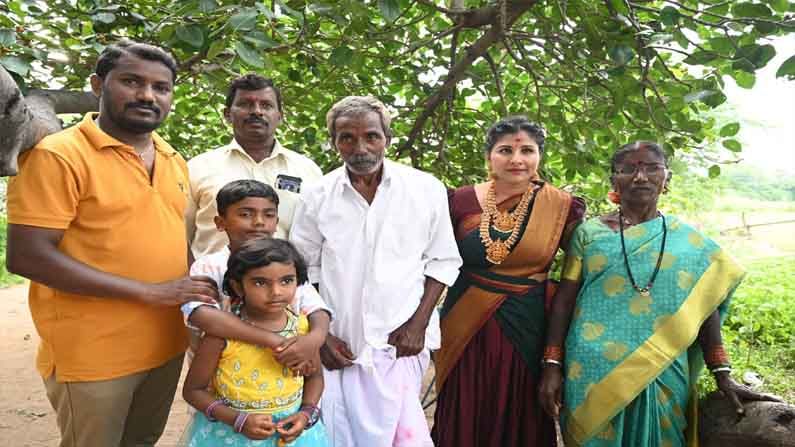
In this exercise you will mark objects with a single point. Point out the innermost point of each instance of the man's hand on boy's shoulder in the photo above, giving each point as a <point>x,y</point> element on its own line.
<point>180,291</point>
<point>301,354</point>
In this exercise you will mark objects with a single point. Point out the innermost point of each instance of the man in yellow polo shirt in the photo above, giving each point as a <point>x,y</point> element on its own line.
<point>254,110</point>
<point>96,222</point>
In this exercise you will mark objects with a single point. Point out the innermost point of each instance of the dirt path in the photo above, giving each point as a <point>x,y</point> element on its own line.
<point>26,418</point>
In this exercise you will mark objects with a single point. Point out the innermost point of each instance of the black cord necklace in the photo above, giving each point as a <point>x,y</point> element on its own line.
<point>645,290</point>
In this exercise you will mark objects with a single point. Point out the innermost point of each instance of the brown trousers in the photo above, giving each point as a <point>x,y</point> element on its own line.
<point>129,411</point>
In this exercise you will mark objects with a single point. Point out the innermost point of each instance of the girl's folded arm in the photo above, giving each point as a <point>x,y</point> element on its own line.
<point>226,325</point>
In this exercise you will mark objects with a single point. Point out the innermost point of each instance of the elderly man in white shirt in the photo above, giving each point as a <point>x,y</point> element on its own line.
<point>377,238</point>
<point>254,110</point>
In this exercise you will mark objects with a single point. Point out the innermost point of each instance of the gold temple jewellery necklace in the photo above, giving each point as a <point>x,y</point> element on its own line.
<point>504,222</point>
<point>645,290</point>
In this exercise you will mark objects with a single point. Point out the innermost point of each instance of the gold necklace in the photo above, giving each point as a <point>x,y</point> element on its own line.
<point>504,222</point>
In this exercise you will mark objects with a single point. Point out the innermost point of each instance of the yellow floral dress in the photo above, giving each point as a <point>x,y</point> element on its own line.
<point>248,378</point>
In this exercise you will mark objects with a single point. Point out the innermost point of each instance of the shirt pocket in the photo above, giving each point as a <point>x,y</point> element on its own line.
<point>408,236</point>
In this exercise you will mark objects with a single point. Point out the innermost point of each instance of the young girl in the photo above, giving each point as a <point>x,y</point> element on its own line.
<point>243,396</point>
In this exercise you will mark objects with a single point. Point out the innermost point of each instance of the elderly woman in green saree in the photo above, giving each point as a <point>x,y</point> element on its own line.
<point>640,306</point>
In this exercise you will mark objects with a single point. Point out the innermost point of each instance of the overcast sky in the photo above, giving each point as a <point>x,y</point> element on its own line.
<point>767,112</point>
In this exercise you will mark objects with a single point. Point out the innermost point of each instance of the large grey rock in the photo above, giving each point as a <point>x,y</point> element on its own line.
<point>766,424</point>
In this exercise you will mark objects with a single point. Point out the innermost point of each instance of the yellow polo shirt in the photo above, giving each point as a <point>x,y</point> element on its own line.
<point>210,171</point>
<point>117,220</point>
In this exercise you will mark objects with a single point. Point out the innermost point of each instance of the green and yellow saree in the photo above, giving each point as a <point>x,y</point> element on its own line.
<point>632,361</point>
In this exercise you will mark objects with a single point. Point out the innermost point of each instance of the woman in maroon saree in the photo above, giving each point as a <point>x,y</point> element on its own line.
<point>493,324</point>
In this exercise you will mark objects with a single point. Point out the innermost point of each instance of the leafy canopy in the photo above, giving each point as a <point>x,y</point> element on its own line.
<point>596,74</point>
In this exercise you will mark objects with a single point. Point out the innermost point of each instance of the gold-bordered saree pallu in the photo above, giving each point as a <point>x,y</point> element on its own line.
<point>632,361</point>
<point>479,294</point>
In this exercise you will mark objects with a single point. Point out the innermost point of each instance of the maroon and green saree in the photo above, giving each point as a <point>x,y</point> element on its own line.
<point>493,326</point>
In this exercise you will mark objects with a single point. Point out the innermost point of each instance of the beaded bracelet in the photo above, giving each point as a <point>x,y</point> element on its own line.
<point>727,369</point>
<point>240,421</point>
<point>210,408</point>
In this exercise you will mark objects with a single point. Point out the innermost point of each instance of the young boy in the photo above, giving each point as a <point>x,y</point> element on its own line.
<point>248,209</point>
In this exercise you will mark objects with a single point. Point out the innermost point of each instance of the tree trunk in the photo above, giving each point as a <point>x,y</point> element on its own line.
<point>766,424</point>
<point>24,121</point>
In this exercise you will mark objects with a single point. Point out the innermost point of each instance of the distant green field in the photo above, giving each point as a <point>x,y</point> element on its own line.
<point>725,222</point>
<point>760,327</point>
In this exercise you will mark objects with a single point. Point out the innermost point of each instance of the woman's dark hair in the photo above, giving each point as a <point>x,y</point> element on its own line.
<point>624,150</point>
<point>252,82</point>
<point>111,54</point>
<point>238,190</point>
<point>261,252</point>
<point>512,125</point>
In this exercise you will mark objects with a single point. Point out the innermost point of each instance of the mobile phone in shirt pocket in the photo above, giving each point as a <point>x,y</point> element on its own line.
<point>288,183</point>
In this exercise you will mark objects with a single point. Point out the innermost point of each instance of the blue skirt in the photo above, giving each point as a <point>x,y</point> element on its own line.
<point>203,433</point>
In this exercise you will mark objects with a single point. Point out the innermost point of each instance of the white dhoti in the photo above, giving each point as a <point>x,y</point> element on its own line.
<point>377,408</point>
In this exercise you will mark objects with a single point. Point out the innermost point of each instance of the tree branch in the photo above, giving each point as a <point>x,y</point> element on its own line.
<point>64,101</point>
<point>497,81</point>
<point>475,51</point>
<point>26,120</point>
<point>478,17</point>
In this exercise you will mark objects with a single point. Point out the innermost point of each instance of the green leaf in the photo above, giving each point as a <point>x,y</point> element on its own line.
<point>249,55</point>
<point>207,6</point>
<point>260,40</point>
<point>779,5</point>
<point>216,48</point>
<point>104,17</point>
<point>787,69</point>
<point>390,9</point>
<point>699,95</point>
<point>730,130</point>
<point>756,55</point>
<point>15,64</point>
<point>721,45</point>
<point>681,39</point>
<point>265,10</point>
<point>7,37</point>
<point>744,79</point>
<point>733,145</point>
<point>245,20</point>
<point>193,35</point>
<point>715,100</point>
<point>621,54</point>
<point>714,171</point>
<point>341,56</point>
<point>720,9</point>
<point>661,38</point>
<point>35,10</point>
<point>290,11</point>
<point>748,9</point>
<point>669,16</point>
<point>700,58</point>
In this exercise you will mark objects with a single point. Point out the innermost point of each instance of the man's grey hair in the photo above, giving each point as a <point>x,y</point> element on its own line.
<point>357,106</point>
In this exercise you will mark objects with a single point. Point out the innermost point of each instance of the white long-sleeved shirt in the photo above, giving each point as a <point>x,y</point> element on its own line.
<point>371,260</point>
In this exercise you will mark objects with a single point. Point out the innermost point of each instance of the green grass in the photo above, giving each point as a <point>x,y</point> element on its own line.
<point>760,328</point>
<point>6,279</point>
